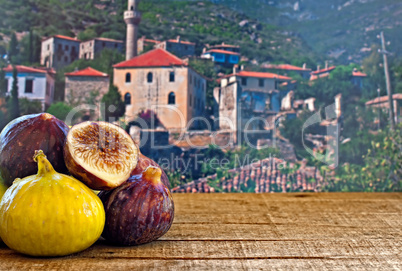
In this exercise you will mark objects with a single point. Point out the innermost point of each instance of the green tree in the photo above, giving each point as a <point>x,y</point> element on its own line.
<point>113,104</point>
<point>60,110</point>
<point>3,82</point>
<point>13,49</point>
<point>14,108</point>
<point>29,107</point>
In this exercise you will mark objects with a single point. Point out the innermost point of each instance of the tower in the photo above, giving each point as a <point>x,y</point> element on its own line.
<point>132,19</point>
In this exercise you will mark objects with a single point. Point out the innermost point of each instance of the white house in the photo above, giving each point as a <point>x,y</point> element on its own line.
<point>33,83</point>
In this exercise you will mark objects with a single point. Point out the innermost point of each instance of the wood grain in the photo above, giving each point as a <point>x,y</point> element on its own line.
<point>324,231</point>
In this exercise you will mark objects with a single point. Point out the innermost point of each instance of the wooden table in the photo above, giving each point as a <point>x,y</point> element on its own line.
<point>320,231</point>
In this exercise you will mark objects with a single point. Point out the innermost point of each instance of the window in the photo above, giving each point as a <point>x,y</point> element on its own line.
<point>244,81</point>
<point>127,98</point>
<point>128,77</point>
<point>66,48</point>
<point>29,86</point>
<point>48,47</point>
<point>260,82</point>
<point>149,77</point>
<point>191,79</point>
<point>115,45</point>
<point>276,84</point>
<point>82,46</point>
<point>191,99</point>
<point>103,44</point>
<point>171,98</point>
<point>66,59</point>
<point>171,77</point>
<point>59,47</point>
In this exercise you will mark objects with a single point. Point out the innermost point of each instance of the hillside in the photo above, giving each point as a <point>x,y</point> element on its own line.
<point>342,29</point>
<point>199,22</point>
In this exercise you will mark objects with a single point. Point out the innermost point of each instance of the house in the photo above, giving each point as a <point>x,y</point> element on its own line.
<point>35,84</point>
<point>162,82</point>
<point>321,73</point>
<point>178,47</point>
<point>87,87</point>
<point>245,95</point>
<point>144,43</point>
<point>358,78</point>
<point>59,51</point>
<point>383,104</point>
<point>222,57</point>
<point>225,47</point>
<point>288,70</point>
<point>90,48</point>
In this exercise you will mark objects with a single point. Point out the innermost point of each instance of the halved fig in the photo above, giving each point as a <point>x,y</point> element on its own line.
<point>100,154</point>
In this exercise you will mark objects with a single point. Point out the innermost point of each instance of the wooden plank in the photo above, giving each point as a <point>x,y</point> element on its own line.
<point>318,231</point>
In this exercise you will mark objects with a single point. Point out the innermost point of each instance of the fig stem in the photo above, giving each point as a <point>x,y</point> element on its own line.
<point>152,174</point>
<point>44,166</point>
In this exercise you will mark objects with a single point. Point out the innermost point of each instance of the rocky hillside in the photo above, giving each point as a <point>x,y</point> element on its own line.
<point>202,22</point>
<point>341,29</point>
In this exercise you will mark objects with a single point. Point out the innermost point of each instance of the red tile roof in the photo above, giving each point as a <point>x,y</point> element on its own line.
<point>24,69</point>
<point>315,77</point>
<point>155,58</point>
<point>382,99</point>
<point>87,72</point>
<point>265,174</point>
<point>323,70</point>
<point>262,75</point>
<point>359,74</point>
<point>63,37</point>
<point>182,41</point>
<point>285,67</point>
<point>107,39</point>
<point>222,52</point>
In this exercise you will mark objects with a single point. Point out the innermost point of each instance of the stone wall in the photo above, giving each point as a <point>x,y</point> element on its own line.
<point>79,90</point>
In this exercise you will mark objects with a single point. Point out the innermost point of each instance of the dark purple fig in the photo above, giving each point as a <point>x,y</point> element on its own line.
<point>144,162</point>
<point>100,154</point>
<point>139,211</point>
<point>22,136</point>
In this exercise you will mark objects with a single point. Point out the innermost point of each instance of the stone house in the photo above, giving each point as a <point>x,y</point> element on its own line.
<point>246,95</point>
<point>162,82</point>
<point>177,47</point>
<point>59,51</point>
<point>287,70</point>
<point>320,73</point>
<point>144,43</point>
<point>86,86</point>
<point>35,84</point>
<point>383,104</point>
<point>90,48</point>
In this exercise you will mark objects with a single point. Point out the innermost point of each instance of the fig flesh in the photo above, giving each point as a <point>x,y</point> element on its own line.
<point>139,211</point>
<point>100,154</point>
<point>22,136</point>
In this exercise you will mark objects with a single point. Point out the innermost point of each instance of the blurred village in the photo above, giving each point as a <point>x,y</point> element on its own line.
<point>163,94</point>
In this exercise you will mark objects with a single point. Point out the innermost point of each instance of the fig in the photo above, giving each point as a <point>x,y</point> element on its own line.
<point>50,214</point>
<point>139,211</point>
<point>144,162</point>
<point>22,136</point>
<point>100,154</point>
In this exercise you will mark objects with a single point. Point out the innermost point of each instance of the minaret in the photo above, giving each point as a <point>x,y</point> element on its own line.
<point>132,18</point>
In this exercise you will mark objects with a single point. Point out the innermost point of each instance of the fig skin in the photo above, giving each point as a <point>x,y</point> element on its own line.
<point>22,136</point>
<point>144,162</point>
<point>139,211</point>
